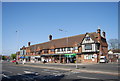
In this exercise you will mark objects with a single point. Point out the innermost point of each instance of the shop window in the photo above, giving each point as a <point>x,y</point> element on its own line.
<point>88,47</point>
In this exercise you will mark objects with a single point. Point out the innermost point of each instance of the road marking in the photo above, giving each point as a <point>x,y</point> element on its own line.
<point>86,77</point>
<point>28,72</point>
<point>55,73</point>
<point>5,76</point>
<point>19,74</point>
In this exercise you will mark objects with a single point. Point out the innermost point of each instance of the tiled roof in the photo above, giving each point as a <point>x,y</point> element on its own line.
<point>115,50</point>
<point>66,42</point>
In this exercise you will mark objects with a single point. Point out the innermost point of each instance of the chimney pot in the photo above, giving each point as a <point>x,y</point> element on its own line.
<point>103,34</point>
<point>28,43</point>
<point>50,37</point>
<point>99,34</point>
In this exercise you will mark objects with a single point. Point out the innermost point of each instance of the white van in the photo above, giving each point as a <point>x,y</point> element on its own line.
<point>103,59</point>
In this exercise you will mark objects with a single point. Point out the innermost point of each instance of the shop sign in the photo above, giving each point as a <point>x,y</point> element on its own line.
<point>95,55</point>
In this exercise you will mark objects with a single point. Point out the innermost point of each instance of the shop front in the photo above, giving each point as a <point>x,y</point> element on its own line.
<point>70,58</point>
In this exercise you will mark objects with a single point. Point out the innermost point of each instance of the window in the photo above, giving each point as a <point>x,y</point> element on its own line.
<point>45,51</point>
<point>88,47</point>
<point>58,50</point>
<point>87,38</point>
<point>52,50</point>
<point>75,48</point>
<point>68,49</point>
<point>62,49</point>
<point>98,46</point>
<point>39,52</point>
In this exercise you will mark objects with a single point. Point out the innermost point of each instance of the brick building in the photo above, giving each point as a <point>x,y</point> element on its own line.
<point>86,48</point>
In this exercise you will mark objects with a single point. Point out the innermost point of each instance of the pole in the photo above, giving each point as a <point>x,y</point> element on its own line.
<point>67,45</point>
<point>76,63</point>
<point>66,41</point>
<point>17,45</point>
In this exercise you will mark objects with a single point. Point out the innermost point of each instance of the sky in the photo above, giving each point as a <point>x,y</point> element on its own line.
<point>35,21</point>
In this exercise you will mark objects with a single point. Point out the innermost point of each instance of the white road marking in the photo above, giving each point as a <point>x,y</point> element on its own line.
<point>19,74</point>
<point>28,72</point>
<point>55,73</point>
<point>86,77</point>
<point>5,76</point>
<point>75,72</point>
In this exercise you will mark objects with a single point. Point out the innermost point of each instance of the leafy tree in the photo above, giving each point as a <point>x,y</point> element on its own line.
<point>4,58</point>
<point>13,56</point>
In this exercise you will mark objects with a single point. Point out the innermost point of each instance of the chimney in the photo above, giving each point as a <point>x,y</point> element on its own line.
<point>103,33</point>
<point>28,43</point>
<point>99,34</point>
<point>50,37</point>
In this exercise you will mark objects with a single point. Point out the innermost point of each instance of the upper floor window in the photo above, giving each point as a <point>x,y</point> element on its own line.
<point>75,48</point>
<point>58,50</point>
<point>45,51</point>
<point>87,38</point>
<point>88,47</point>
<point>39,52</point>
<point>52,50</point>
<point>68,49</point>
<point>98,46</point>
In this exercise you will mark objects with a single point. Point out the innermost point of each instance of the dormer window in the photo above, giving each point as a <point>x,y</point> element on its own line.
<point>87,38</point>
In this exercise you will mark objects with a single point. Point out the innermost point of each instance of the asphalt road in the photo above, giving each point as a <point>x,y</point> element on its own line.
<point>13,72</point>
<point>106,67</point>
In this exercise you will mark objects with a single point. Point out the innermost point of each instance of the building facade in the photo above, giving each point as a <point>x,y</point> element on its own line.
<point>83,48</point>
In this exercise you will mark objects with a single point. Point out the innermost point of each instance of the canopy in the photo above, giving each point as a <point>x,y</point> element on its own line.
<point>70,55</point>
<point>22,57</point>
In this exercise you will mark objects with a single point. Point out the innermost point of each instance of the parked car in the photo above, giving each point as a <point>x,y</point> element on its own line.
<point>14,61</point>
<point>103,59</point>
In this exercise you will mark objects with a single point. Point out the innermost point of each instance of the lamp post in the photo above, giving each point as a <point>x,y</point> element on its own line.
<point>76,56</point>
<point>66,40</point>
<point>17,45</point>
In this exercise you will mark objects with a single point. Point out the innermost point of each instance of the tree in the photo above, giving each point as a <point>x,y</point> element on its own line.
<point>4,58</point>
<point>113,43</point>
<point>13,56</point>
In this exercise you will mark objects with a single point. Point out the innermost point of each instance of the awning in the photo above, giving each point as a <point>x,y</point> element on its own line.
<point>22,57</point>
<point>50,55</point>
<point>70,55</point>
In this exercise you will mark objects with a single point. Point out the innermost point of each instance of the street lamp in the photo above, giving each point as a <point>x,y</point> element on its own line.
<point>66,41</point>
<point>17,44</point>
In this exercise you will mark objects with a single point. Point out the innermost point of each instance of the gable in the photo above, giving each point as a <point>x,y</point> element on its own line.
<point>87,39</point>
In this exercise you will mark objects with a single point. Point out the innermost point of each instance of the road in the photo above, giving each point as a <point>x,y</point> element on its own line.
<point>13,72</point>
<point>97,67</point>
